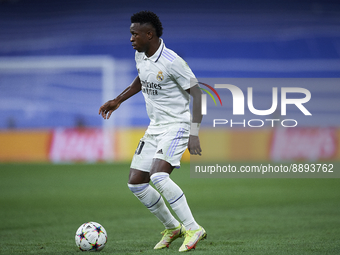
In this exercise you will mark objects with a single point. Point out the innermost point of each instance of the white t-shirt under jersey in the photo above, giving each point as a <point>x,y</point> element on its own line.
<point>164,77</point>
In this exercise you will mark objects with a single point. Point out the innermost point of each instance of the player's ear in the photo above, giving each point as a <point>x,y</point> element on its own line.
<point>150,34</point>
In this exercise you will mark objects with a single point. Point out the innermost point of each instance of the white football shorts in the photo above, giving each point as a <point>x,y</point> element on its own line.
<point>169,146</point>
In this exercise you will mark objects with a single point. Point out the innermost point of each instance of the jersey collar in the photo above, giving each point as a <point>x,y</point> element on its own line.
<point>157,54</point>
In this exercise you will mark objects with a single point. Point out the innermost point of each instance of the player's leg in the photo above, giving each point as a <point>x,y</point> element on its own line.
<point>138,177</point>
<point>173,144</point>
<point>138,183</point>
<point>160,176</point>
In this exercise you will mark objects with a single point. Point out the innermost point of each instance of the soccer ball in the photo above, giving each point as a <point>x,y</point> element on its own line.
<point>91,236</point>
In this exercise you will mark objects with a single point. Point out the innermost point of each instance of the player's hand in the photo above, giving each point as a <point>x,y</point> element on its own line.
<point>194,145</point>
<point>106,109</point>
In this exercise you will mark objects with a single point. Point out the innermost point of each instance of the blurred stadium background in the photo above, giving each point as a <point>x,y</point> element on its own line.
<point>60,60</point>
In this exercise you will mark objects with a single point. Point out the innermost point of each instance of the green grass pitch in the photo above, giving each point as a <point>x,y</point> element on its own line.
<point>42,205</point>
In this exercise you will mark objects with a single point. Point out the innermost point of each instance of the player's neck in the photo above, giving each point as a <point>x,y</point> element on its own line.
<point>153,48</point>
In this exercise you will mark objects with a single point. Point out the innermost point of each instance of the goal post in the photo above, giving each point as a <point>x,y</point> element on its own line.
<point>37,65</point>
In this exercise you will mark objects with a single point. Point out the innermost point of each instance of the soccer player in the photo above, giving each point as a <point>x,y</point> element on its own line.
<point>165,80</point>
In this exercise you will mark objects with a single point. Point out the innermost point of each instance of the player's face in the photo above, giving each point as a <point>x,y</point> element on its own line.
<point>139,37</point>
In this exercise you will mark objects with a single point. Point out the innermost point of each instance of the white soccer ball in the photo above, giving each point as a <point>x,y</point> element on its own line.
<point>91,236</point>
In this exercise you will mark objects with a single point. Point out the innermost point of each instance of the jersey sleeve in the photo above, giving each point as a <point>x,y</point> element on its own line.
<point>182,74</point>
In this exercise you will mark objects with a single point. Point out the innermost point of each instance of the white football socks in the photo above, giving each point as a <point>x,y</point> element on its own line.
<point>176,198</point>
<point>155,203</point>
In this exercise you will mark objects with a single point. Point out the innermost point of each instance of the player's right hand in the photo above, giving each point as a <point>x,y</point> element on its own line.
<point>106,109</point>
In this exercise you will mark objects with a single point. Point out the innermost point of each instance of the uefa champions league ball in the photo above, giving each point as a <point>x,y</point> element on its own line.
<point>91,236</point>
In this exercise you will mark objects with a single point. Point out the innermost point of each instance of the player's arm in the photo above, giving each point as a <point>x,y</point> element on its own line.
<point>106,109</point>
<point>194,142</point>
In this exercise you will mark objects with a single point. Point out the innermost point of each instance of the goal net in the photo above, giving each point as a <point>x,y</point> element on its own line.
<point>61,94</point>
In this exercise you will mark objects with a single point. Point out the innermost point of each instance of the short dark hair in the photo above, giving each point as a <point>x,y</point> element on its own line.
<point>144,17</point>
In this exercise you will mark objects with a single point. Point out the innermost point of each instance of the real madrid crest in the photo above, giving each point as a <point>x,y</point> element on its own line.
<point>160,76</point>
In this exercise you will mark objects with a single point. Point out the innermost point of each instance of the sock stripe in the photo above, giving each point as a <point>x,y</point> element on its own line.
<point>171,202</point>
<point>158,178</point>
<point>138,187</point>
<point>154,203</point>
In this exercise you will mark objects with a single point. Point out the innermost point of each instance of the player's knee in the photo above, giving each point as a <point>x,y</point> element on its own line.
<point>160,165</point>
<point>170,190</point>
<point>138,177</point>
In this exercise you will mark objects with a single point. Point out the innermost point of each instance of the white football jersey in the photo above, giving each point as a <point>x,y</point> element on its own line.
<point>164,77</point>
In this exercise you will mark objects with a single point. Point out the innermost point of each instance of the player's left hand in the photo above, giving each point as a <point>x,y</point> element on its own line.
<point>194,145</point>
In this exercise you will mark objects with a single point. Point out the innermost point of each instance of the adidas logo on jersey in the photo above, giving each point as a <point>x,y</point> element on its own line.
<point>160,151</point>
